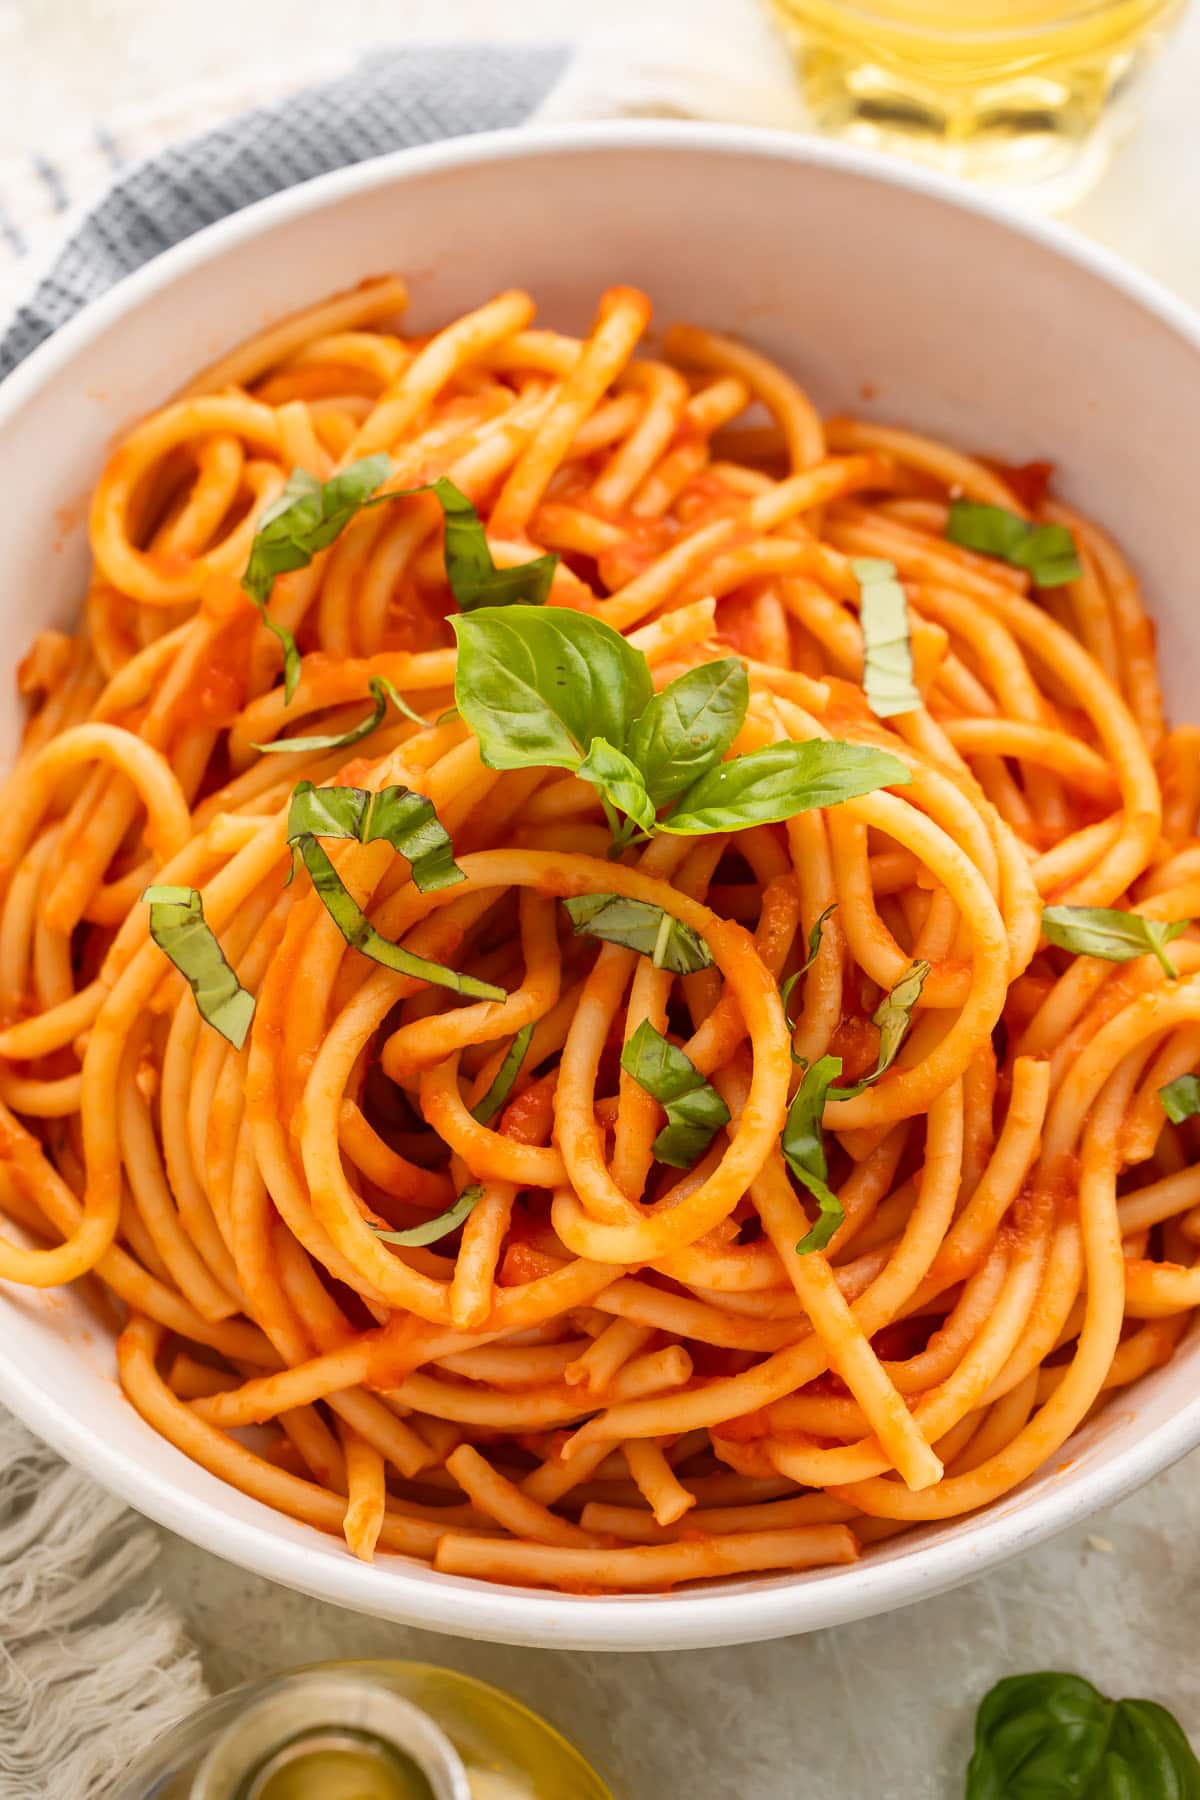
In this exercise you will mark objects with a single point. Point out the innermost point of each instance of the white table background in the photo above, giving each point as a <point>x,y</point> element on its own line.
<point>876,1711</point>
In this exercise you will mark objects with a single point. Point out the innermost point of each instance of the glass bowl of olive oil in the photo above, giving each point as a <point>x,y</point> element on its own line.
<point>377,1730</point>
<point>1029,96</point>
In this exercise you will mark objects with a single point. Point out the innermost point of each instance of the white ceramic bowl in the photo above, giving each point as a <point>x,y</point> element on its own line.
<point>885,290</point>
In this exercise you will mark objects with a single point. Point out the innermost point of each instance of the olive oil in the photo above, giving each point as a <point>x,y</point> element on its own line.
<point>364,1731</point>
<point>1027,94</point>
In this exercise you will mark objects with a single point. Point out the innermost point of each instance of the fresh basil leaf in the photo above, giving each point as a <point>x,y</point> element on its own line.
<point>887,639</point>
<point>814,946</point>
<point>620,783</point>
<point>362,936</point>
<point>689,726</point>
<point>395,815</point>
<point>803,1146</point>
<point>1052,1736</point>
<point>537,684</point>
<point>892,1016</point>
<point>179,928</point>
<point>637,925</point>
<point>381,691</point>
<point>1181,1098</point>
<point>1047,551</point>
<point>485,1110</point>
<point>779,781</point>
<point>441,1227</point>
<point>695,1111</point>
<point>474,579</point>
<point>1111,935</point>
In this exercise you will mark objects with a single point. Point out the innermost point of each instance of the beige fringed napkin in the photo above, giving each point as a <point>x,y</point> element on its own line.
<point>93,1664</point>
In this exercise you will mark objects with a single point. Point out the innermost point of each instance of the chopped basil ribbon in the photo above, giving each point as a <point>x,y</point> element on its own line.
<point>433,1229</point>
<point>1047,551</point>
<point>401,818</point>
<point>409,824</point>
<point>695,1111</point>
<point>362,936</point>
<point>474,578</point>
<point>1112,935</point>
<point>637,925</point>
<point>306,517</point>
<point>892,1017</point>
<point>887,640</point>
<point>179,928</point>
<point>551,688</point>
<point>485,1110</point>
<point>309,515</point>
<point>381,691</point>
<point>1181,1098</point>
<point>1052,1736</point>
<point>814,947</point>
<point>803,1146</point>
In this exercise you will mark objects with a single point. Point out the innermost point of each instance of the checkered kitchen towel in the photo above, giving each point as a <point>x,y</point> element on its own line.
<point>388,101</point>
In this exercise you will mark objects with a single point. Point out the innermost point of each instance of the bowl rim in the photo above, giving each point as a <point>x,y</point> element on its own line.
<point>700,1617</point>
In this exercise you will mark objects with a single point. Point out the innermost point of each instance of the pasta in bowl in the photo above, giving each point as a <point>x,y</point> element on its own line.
<point>596,957</point>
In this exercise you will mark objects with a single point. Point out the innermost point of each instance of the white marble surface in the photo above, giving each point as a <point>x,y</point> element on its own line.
<point>882,1709</point>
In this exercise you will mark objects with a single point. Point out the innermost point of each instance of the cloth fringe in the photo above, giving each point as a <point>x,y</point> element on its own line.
<point>81,1693</point>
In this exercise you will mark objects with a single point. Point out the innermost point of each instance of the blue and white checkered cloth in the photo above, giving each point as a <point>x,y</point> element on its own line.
<point>387,101</point>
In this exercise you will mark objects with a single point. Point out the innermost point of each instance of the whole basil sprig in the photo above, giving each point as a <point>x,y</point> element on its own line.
<point>1051,1736</point>
<point>548,687</point>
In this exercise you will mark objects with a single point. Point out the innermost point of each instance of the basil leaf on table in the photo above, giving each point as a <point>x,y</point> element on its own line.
<point>695,1111</point>
<point>1181,1098</point>
<point>362,936</point>
<point>1051,1736</point>
<point>620,783</point>
<point>537,684</point>
<point>179,928</point>
<point>638,925</point>
<point>688,726</point>
<point>780,780</point>
<point>1047,551</point>
<point>432,1229</point>
<point>803,1146</point>
<point>1112,935</point>
<point>381,691</point>
<point>396,815</point>
<point>892,1016</point>
<point>485,1110</point>
<point>887,639</point>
